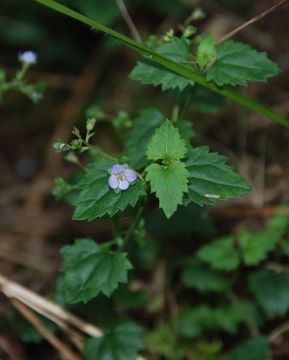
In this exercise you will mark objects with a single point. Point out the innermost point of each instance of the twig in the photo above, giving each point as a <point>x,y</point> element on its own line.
<point>42,329</point>
<point>253,20</point>
<point>127,18</point>
<point>280,330</point>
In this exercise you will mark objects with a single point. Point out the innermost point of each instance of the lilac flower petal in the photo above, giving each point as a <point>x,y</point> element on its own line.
<point>113,182</point>
<point>130,175</point>
<point>28,57</point>
<point>123,184</point>
<point>117,169</point>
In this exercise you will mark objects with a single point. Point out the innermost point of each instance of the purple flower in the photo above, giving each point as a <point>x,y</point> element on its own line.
<point>121,177</point>
<point>28,57</point>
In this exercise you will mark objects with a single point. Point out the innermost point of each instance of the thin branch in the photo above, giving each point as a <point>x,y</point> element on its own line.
<point>253,20</point>
<point>42,329</point>
<point>278,331</point>
<point>128,20</point>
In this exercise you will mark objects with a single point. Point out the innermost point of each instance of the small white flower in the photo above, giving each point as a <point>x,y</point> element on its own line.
<point>28,57</point>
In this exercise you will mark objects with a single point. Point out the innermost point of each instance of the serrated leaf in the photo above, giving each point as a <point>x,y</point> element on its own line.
<point>166,62</point>
<point>271,291</point>
<point>90,270</point>
<point>192,322</point>
<point>200,276</point>
<point>207,101</point>
<point>206,50</point>
<point>143,129</point>
<point>211,178</point>
<point>229,317</point>
<point>238,63</point>
<point>96,199</point>
<point>150,73</point>
<point>221,254</point>
<point>166,144</point>
<point>255,246</point>
<point>256,348</point>
<point>279,226</point>
<point>169,183</point>
<point>122,343</point>
<point>163,342</point>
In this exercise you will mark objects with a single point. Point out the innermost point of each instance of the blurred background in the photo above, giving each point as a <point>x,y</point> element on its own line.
<point>85,72</point>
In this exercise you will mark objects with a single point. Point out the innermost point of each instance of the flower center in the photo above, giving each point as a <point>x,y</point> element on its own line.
<point>120,176</point>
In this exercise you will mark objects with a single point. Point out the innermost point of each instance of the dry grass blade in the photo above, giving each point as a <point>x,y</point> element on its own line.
<point>51,310</point>
<point>45,307</point>
<point>62,348</point>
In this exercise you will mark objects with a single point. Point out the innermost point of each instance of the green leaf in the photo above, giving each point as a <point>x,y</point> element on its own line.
<point>211,178</point>
<point>186,131</point>
<point>89,270</point>
<point>229,317</point>
<point>149,73</point>
<point>255,246</point>
<point>122,343</point>
<point>221,254</point>
<point>130,299</point>
<point>180,223</point>
<point>168,63</point>
<point>201,277</point>
<point>96,199</point>
<point>192,322</point>
<point>271,291</point>
<point>207,101</point>
<point>279,226</point>
<point>206,50</point>
<point>163,341</point>
<point>256,348</point>
<point>99,10</point>
<point>169,183</point>
<point>166,144</point>
<point>28,333</point>
<point>143,129</point>
<point>238,63</point>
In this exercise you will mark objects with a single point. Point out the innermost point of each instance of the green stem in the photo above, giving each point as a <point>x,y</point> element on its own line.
<point>175,113</point>
<point>133,226</point>
<point>108,244</point>
<point>21,73</point>
<point>115,227</point>
<point>168,63</point>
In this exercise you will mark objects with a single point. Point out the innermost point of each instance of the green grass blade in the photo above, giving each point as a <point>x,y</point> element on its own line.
<point>167,63</point>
